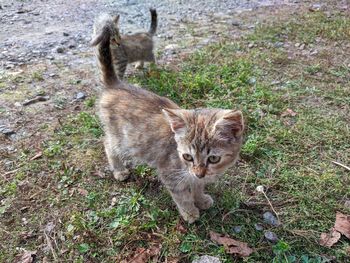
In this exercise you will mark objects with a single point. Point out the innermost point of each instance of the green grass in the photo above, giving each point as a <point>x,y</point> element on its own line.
<point>98,219</point>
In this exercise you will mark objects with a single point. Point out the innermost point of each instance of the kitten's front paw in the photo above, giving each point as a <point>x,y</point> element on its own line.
<point>139,65</point>
<point>121,175</point>
<point>190,216</point>
<point>205,202</point>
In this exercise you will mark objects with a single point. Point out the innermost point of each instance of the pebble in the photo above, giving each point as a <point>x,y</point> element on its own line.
<point>60,50</point>
<point>278,44</point>
<point>65,34</point>
<point>258,227</point>
<point>271,237</point>
<point>270,219</point>
<point>237,229</point>
<point>347,204</point>
<point>6,131</point>
<point>80,96</point>
<point>207,259</point>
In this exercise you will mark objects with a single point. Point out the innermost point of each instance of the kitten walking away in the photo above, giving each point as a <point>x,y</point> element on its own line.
<point>127,49</point>
<point>189,148</point>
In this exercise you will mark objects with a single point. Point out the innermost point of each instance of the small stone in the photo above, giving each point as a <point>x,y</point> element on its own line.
<point>297,44</point>
<point>252,81</point>
<point>302,46</point>
<point>207,259</point>
<point>49,227</point>
<point>235,23</point>
<point>237,229</point>
<point>315,7</point>
<point>258,227</point>
<point>80,96</point>
<point>271,237</point>
<point>6,131</point>
<point>278,44</point>
<point>270,219</point>
<point>65,34</point>
<point>72,45</point>
<point>251,45</point>
<point>60,50</point>
<point>347,204</point>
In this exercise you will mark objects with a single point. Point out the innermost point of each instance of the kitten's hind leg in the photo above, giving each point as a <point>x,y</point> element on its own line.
<point>139,64</point>
<point>120,173</point>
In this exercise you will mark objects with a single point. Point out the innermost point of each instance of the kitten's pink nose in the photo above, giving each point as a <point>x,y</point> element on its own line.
<point>199,171</point>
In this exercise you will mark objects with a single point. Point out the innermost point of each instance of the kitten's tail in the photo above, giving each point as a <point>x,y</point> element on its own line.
<point>104,29</point>
<point>154,21</point>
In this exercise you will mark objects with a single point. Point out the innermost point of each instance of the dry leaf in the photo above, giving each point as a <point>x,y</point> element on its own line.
<point>37,156</point>
<point>288,112</point>
<point>328,240</point>
<point>342,224</point>
<point>142,255</point>
<point>231,246</point>
<point>99,174</point>
<point>25,257</point>
<point>180,228</point>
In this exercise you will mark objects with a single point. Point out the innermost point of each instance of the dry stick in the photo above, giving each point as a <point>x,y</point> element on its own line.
<point>273,209</point>
<point>50,246</point>
<point>342,165</point>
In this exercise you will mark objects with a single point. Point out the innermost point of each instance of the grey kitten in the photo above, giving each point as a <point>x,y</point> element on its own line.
<point>129,48</point>
<point>189,148</point>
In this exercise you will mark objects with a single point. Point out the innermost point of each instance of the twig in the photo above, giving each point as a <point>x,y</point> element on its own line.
<point>342,165</point>
<point>273,209</point>
<point>50,246</point>
<point>261,189</point>
<point>36,99</point>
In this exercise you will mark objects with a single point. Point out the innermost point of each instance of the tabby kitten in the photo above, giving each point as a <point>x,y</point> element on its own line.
<point>130,48</point>
<point>189,148</point>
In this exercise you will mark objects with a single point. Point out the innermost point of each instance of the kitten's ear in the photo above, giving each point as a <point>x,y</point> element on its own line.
<point>230,125</point>
<point>175,119</point>
<point>116,19</point>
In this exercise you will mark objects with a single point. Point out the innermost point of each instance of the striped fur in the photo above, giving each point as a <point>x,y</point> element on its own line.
<point>144,128</point>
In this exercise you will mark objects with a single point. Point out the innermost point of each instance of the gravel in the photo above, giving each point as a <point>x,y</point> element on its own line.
<point>34,28</point>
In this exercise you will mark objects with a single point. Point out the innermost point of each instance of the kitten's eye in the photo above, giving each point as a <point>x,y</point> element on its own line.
<point>187,157</point>
<point>214,159</point>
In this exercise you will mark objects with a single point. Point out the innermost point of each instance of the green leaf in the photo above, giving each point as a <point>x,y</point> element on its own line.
<point>185,247</point>
<point>83,248</point>
<point>70,228</point>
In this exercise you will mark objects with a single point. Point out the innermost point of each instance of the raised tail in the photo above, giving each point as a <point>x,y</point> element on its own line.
<point>154,21</point>
<point>104,32</point>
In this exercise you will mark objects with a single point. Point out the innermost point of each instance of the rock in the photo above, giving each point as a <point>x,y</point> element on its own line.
<point>315,7</point>
<point>235,23</point>
<point>60,50</point>
<point>271,237</point>
<point>258,227</point>
<point>207,259</point>
<point>347,204</point>
<point>6,131</point>
<point>251,45</point>
<point>65,34</point>
<point>72,45</point>
<point>297,44</point>
<point>270,219</point>
<point>80,96</point>
<point>278,44</point>
<point>237,229</point>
